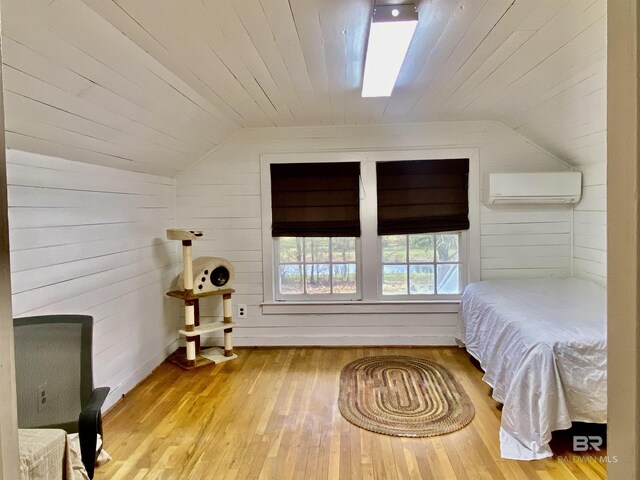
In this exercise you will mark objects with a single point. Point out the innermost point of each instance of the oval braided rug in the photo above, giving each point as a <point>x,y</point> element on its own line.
<point>403,396</point>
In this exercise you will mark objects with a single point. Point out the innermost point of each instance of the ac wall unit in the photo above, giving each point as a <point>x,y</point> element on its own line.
<point>544,187</point>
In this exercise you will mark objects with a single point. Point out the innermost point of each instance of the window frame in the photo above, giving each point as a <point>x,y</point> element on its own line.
<point>315,296</point>
<point>369,269</point>
<point>462,250</point>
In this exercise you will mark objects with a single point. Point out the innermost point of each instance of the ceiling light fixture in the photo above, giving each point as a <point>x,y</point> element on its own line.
<point>392,27</point>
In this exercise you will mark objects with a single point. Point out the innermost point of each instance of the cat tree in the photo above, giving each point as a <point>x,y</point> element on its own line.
<point>213,276</point>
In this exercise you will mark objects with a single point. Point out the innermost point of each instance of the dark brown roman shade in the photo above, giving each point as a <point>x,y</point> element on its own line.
<point>315,199</point>
<point>422,196</point>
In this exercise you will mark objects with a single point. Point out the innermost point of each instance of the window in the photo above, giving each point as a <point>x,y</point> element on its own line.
<point>315,211</point>
<point>420,264</point>
<point>315,200</point>
<point>316,267</point>
<point>422,196</point>
<point>358,232</point>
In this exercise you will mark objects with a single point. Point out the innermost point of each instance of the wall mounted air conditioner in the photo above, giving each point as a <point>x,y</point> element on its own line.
<point>544,187</point>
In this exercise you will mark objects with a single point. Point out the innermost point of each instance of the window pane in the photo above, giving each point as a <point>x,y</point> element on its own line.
<point>421,279</point>
<point>344,249</point>
<point>291,279</point>
<point>316,249</point>
<point>394,248</point>
<point>447,248</point>
<point>394,279</point>
<point>317,278</point>
<point>290,249</point>
<point>421,248</point>
<point>448,279</point>
<point>344,278</point>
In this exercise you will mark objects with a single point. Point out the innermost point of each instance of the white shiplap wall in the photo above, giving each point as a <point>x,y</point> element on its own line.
<point>91,240</point>
<point>221,195</point>
<point>536,66</point>
<point>77,88</point>
<point>590,225</point>
<point>153,86</point>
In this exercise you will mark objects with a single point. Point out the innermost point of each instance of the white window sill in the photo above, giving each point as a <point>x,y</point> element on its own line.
<point>359,306</point>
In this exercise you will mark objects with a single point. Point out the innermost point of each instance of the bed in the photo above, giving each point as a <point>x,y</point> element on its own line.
<point>542,345</point>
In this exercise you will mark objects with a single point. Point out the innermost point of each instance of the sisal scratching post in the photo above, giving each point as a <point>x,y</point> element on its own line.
<point>190,321</point>
<point>189,316</point>
<point>228,318</point>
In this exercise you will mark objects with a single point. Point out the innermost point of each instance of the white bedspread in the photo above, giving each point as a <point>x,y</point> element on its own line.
<point>542,344</point>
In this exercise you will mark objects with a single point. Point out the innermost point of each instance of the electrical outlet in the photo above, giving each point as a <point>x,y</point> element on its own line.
<point>242,311</point>
<point>42,397</point>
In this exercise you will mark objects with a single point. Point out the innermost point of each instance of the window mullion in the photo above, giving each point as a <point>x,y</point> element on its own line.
<point>407,262</point>
<point>370,265</point>
<point>435,265</point>
<point>276,280</point>
<point>331,265</point>
<point>304,266</point>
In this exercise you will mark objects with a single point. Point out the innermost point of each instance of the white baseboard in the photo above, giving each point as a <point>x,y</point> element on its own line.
<point>140,374</point>
<point>335,340</point>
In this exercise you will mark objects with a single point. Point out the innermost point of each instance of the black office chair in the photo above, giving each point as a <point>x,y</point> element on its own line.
<point>54,378</point>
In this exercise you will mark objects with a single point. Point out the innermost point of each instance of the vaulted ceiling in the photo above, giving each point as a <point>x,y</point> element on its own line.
<point>153,85</point>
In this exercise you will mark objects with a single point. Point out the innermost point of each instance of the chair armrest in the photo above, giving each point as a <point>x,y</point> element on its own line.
<point>96,401</point>
<point>89,425</point>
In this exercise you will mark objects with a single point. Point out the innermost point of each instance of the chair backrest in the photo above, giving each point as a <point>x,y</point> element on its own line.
<point>54,372</point>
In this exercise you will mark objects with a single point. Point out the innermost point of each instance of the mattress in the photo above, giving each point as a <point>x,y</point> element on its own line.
<point>542,345</point>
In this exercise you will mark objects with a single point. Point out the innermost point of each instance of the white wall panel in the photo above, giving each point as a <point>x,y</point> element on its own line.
<point>91,240</point>
<point>590,225</point>
<point>78,88</point>
<point>152,87</point>
<point>220,195</point>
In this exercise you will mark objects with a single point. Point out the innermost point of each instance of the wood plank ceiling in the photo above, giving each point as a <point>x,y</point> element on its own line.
<point>153,85</point>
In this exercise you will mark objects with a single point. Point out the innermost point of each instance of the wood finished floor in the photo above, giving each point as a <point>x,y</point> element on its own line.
<point>273,413</point>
